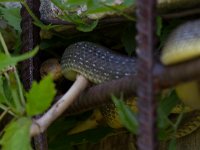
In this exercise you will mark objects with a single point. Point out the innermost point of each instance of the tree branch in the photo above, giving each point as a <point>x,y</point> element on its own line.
<point>41,124</point>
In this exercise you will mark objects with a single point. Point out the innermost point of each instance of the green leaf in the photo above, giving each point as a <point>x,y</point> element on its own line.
<point>16,136</point>
<point>126,115</point>
<point>40,96</point>
<point>12,16</point>
<point>128,39</point>
<point>6,60</point>
<point>95,7</point>
<point>164,109</point>
<point>87,27</point>
<point>8,93</point>
<point>168,103</point>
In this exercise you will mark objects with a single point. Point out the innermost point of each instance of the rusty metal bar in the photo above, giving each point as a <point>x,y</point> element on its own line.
<point>30,38</point>
<point>29,68</point>
<point>146,90</point>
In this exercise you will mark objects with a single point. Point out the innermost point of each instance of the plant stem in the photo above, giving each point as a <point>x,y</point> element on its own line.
<point>15,71</point>
<point>7,108</point>
<point>4,45</point>
<point>19,87</point>
<point>37,21</point>
<point>3,114</point>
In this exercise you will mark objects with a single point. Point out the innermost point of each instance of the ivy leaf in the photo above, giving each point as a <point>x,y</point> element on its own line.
<point>16,136</point>
<point>40,96</point>
<point>6,60</point>
<point>126,115</point>
<point>12,16</point>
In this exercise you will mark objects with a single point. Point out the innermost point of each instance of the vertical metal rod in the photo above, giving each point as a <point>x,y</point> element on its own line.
<point>146,91</point>
<point>29,68</point>
<point>30,38</point>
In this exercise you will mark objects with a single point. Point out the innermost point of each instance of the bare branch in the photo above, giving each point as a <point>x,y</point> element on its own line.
<point>41,124</point>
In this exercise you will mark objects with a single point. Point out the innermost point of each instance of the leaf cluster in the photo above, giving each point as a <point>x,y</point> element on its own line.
<point>79,12</point>
<point>21,105</point>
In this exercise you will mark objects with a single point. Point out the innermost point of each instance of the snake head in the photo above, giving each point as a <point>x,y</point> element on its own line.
<point>51,66</point>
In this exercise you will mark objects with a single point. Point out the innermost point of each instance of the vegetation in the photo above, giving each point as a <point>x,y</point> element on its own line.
<point>18,106</point>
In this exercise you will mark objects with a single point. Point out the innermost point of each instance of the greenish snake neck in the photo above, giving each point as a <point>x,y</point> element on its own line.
<point>96,63</point>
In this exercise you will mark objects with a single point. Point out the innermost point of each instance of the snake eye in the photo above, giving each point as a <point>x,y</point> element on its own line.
<point>51,66</point>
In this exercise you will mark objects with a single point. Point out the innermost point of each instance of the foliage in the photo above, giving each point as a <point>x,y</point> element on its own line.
<point>167,128</point>
<point>126,115</point>
<point>12,101</point>
<point>43,92</point>
<point>21,105</point>
<point>78,12</point>
<point>12,16</point>
<point>16,135</point>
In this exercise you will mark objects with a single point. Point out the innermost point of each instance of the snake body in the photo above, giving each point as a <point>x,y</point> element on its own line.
<point>96,63</point>
<point>99,64</point>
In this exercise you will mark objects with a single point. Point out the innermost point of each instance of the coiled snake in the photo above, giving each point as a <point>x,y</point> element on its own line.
<point>99,64</point>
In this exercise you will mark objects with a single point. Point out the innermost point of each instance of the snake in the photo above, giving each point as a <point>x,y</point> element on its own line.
<point>99,64</point>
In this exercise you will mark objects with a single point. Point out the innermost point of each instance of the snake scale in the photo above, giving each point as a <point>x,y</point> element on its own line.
<point>99,64</point>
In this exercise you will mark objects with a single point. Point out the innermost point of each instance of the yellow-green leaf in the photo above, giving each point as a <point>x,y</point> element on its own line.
<point>40,96</point>
<point>16,136</point>
<point>6,60</point>
<point>126,115</point>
